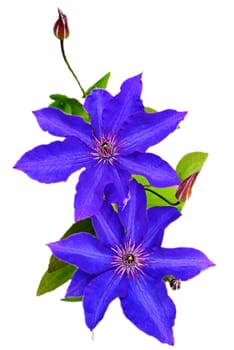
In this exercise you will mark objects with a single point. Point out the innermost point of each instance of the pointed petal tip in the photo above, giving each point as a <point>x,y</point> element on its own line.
<point>50,245</point>
<point>170,340</point>
<point>177,114</point>
<point>54,246</point>
<point>207,263</point>
<point>37,112</point>
<point>181,115</point>
<point>18,164</point>
<point>135,78</point>
<point>15,166</point>
<point>204,265</point>
<point>211,264</point>
<point>45,111</point>
<point>139,75</point>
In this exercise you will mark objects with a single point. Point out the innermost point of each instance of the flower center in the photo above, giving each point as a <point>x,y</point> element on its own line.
<point>105,149</point>
<point>129,259</point>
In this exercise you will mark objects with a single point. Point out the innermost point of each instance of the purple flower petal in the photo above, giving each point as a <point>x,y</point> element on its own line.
<point>158,172</point>
<point>90,189</point>
<point>99,293</point>
<point>107,226</point>
<point>159,218</point>
<point>133,216</point>
<point>84,251</point>
<point>121,106</point>
<point>118,191</point>
<point>79,281</point>
<point>56,161</point>
<point>143,130</point>
<point>182,263</point>
<point>149,307</point>
<point>94,104</point>
<point>60,124</point>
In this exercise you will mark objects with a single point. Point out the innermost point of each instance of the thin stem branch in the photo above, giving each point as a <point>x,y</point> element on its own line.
<point>162,197</point>
<point>69,67</point>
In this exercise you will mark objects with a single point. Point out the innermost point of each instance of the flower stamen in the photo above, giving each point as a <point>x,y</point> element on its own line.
<point>129,259</point>
<point>105,149</point>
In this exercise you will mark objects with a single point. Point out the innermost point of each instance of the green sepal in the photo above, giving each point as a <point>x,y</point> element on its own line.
<point>59,272</point>
<point>52,280</point>
<point>69,105</point>
<point>72,300</point>
<point>191,163</point>
<point>101,84</point>
<point>168,278</point>
<point>149,110</point>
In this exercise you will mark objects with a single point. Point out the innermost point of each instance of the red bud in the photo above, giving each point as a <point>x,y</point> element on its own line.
<point>184,190</point>
<point>175,284</point>
<point>61,30</point>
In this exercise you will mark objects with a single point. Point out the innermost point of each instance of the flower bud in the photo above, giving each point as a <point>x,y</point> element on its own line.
<point>61,30</point>
<point>175,284</point>
<point>184,190</point>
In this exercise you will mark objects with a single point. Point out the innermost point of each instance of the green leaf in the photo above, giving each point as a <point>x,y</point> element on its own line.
<point>149,110</point>
<point>59,272</point>
<point>154,199</point>
<point>57,97</point>
<point>52,280</point>
<point>191,163</point>
<point>101,84</point>
<point>64,106</point>
<point>72,300</point>
<point>69,105</point>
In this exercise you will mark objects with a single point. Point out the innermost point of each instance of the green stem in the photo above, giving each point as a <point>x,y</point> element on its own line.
<point>70,68</point>
<point>162,197</point>
<point>168,278</point>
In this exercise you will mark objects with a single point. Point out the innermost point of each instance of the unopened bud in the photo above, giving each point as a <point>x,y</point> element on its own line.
<point>175,284</point>
<point>184,190</point>
<point>61,30</point>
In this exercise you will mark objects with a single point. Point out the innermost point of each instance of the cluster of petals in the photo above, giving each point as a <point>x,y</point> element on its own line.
<point>126,260</point>
<point>111,148</point>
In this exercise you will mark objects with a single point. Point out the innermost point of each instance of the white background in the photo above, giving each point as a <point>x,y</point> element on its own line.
<point>185,51</point>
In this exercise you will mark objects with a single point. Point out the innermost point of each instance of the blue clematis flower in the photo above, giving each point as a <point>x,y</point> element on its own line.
<point>111,148</point>
<point>126,260</point>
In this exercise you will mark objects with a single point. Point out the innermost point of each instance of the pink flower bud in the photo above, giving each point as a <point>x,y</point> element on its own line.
<point>61,30</point>
<point>184,190</point>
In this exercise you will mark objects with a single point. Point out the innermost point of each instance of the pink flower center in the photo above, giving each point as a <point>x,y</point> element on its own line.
<point>105,149</point>
<point>129,259</point>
